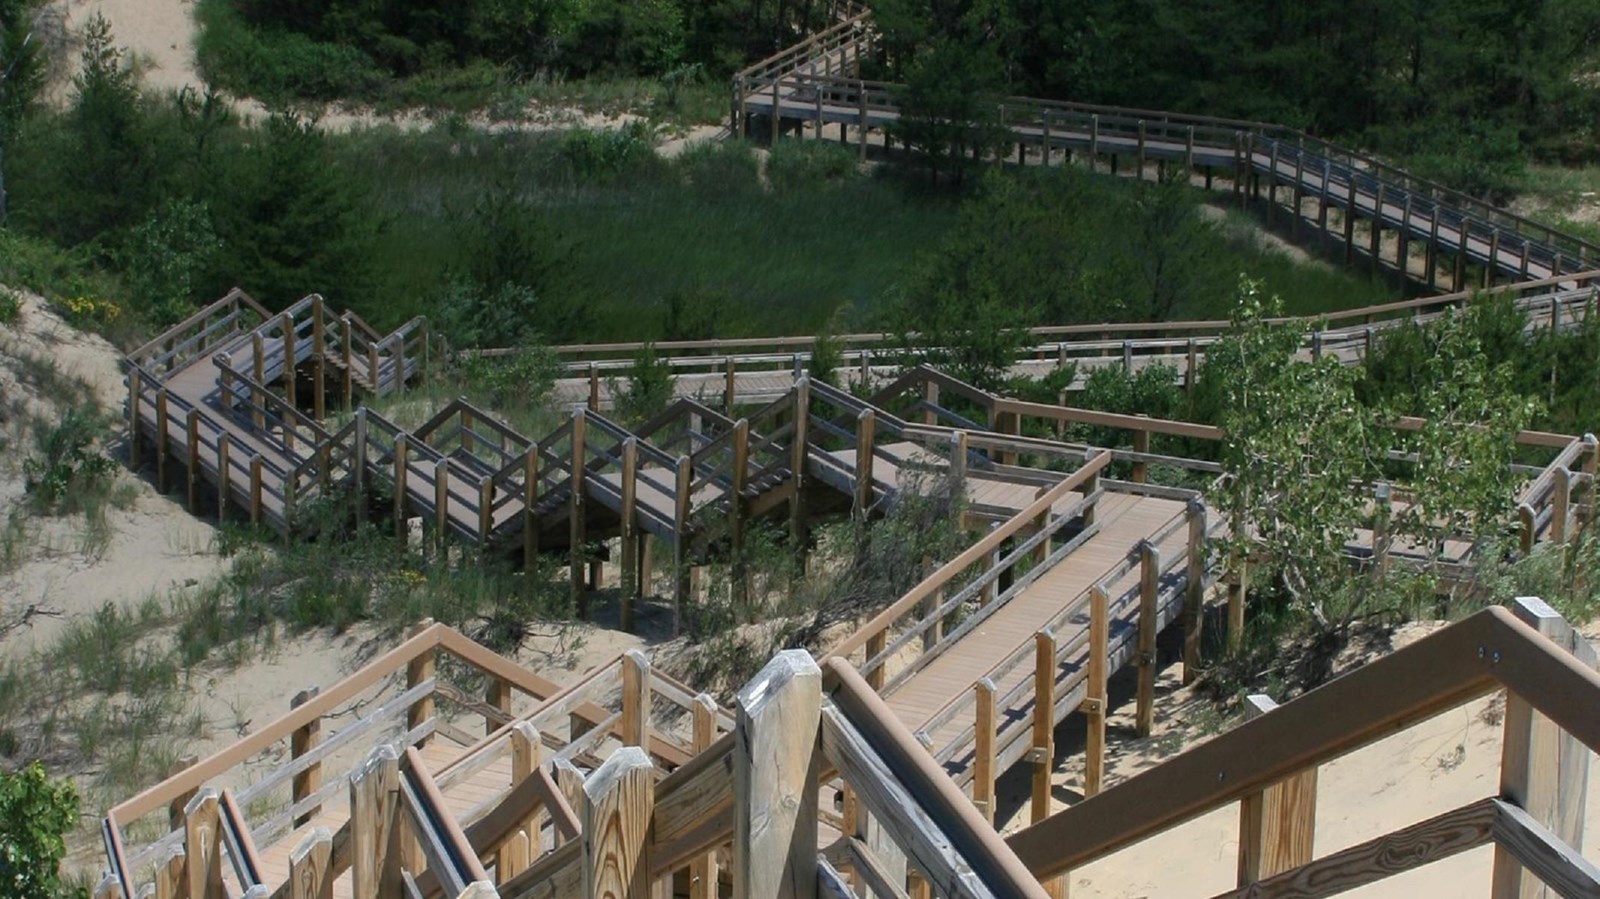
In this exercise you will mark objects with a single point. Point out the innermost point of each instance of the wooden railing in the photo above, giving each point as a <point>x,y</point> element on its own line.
<point>199,334</point>
<point>402,720</point>
<point>1550,728</point>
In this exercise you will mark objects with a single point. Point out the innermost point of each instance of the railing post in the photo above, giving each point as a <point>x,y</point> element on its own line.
<point>862,99</point>
<point>311,866</point>
<point>527,756</point>
<point>289,368</point>
<point>1277,826</point>
<point>865,425</point>
<point>1090,485</point>
<point>983,734</point>
<point>1382,509</point>
<point>223,477</point>
<point>135,381</point>
<point>347,391</point>
<point>575,513</point>
<point>703,870</point>
<point>629,527</point>
<point>775,766</point>
<point>497,696</point>
<point>1527,522</point>
<point>682,582</point>
<point>375,820</point>
<point>1194,590</point>
<point>258,365</point>
<point>301,741</point>
<point>1141,444</point>
<point>255,489</point>
<point>1560,504</point>
<point>1238,588</point>
<point>418,671</point>
<point>618,805</point>
<point>1149,585</point>
<point>358,467</point>
<point>730,388</point>
<point>635,721</point>
<point>400,471</point>
<point>1094,703</point>
<point>1042,755</point>
<point>876,643</point>
<point>799,452</point>
<point>192,461</point>
<point>441,508</point>
<point>202,845</point>
<point>1543,769</point>
<point>318,401</point>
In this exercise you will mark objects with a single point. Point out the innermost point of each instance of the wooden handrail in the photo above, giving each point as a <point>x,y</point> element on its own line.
<point>1441,671</point>
<point>970,555</point>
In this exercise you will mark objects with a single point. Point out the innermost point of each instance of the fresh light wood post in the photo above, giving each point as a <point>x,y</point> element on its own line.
<point>202,846</point>
<point>175,808</point>
<point>575,512</point>
<point>1277,826</point>
<point>569,780</point>
<point>775,766</point>
<point>526,751</point>
<point>703,870</point>
<point>635,698</point>
<point>630,532</point>
<point>304,739</point>
<point>983,748</point>
<point>418,671</point>
<point>1194,590</point>
<point>311,866</point>
<point>400,470</point>
<point>1044,703</point>
<point>1543,769</point>
<point>1527,521</point>
<point>375,826</point>
<point>1094,703</point>
<point>865,425</point>
<point>192,461</point>
<point>618,803</point>
<point>1149,585</point>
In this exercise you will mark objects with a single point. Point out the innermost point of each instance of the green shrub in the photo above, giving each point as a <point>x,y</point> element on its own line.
<point>67,472</point>
<point>165,256</point>
<point>804,164</point>
<point>604,155</point>
<point>10,306</point>
<point>35,815</point>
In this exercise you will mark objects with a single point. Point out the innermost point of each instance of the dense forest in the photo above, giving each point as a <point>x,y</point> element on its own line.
<point>1461,90</point>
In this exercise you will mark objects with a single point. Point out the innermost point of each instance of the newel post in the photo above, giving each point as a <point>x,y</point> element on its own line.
<point>774,780</point>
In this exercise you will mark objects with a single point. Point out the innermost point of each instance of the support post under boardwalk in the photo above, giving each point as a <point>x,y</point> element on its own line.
<point>618,804</point>
<point>983,748</point>
<point>1094,703</point>
<point>774,780</point>
<point>1277,825</point>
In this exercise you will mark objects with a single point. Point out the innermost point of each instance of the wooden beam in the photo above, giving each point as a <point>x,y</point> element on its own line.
<point>775,769</point>
<point>983,773</point>
<point>1095,701</point>
<point>618,803</point>
<point>703,870</point>
<point>1542,770</point>
<point>1194,591</point>
<point>634,726</point>
<point>866,423</point>
<point>1548,859</point>
<point>526,753</point>
<point>1425,842</point>
<point>1277,826</point>
<point>1043,752</point>
<point>301,741</point>
<point>1149,586</point>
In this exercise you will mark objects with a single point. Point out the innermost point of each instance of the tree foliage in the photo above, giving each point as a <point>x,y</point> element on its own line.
<point>35,815</point>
